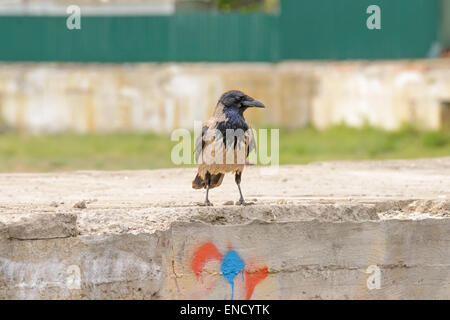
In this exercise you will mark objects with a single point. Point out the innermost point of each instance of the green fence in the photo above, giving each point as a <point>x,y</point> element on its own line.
<point>446,24</point>
<point>189,37</point>
<point>336,29</point>
<point>305,29</point>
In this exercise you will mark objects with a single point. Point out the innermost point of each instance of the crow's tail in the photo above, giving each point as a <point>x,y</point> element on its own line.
<point>216,180</point>
<point>198,182</point>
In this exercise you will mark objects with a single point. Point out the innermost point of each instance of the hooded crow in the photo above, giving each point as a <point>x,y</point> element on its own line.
<point>225,142</point>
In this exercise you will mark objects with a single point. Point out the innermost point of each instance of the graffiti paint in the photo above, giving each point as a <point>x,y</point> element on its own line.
<point>231,266</point>
<point>252,278</point>
<point>202,255</point>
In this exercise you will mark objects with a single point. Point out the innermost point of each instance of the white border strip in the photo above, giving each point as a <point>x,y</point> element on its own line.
<point>49,9</point>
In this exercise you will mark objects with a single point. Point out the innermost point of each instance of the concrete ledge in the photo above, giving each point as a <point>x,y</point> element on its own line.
<point>43,226</point>
<point>373,238</point>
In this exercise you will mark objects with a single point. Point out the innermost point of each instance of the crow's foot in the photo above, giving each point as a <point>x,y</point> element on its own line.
<point>242,202</point>
<point>206,204</point>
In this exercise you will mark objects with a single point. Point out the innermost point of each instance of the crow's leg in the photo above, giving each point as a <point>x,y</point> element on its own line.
<point>208,181</point>
<point>237,179</point>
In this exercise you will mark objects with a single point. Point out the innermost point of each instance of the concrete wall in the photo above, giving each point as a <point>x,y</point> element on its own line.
<point>54,98</point>
<point>340,230</point>
<point>309,259</point>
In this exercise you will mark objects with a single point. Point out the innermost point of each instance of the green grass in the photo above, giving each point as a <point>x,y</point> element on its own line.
<point>25,153</point>
<point>123,151</point>
<point>343,143</point>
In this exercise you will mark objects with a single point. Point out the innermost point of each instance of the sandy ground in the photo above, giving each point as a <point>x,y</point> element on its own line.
<point>134,201</point>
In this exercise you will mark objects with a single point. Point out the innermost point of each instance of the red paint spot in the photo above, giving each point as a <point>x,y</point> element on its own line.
<point>202,255</point>
<point>252,278</point>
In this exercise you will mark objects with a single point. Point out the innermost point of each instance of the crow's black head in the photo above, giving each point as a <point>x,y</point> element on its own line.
<point>236,99</point>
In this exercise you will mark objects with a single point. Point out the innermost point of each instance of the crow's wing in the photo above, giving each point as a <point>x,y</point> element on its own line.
<point>250,141</point>
<point>200,143</point>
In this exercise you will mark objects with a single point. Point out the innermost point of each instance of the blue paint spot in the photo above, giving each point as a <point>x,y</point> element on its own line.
<point>232,264</point>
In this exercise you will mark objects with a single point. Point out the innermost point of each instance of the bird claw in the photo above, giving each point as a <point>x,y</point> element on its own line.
<point>206,204</point>
<point>244,203</point>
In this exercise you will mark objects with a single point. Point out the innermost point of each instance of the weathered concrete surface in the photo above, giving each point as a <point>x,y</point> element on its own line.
<point>324,230</point>
<point>49,97</point>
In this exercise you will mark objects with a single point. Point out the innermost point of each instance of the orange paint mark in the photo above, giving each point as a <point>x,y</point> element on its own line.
<point>252,278</point>
<point>202,255</point>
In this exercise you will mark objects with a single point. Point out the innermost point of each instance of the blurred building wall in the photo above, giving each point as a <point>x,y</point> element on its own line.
<point>53,98</point>
<point>89,7</point>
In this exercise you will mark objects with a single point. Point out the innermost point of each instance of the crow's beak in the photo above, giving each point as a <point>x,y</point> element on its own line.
<point>253,103</point>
